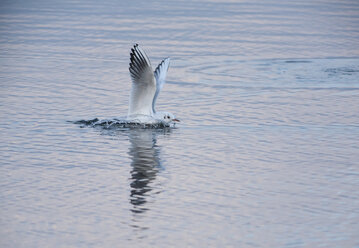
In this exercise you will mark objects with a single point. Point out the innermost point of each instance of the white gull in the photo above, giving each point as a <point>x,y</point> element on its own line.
<point>146,86</point>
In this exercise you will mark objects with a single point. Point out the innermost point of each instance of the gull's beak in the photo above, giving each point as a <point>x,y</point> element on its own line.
<point>176,120</point>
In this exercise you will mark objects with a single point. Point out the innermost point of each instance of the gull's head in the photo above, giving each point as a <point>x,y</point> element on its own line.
<point>167,117</point>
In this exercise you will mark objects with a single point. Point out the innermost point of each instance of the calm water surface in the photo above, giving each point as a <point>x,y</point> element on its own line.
<point>266,154</point>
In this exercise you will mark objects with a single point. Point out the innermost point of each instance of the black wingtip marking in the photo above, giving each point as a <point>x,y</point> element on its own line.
<point>138,62</point>
<point>158,68</point>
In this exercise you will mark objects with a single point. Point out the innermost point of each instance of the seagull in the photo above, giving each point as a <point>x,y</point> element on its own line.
<point>146,86</point>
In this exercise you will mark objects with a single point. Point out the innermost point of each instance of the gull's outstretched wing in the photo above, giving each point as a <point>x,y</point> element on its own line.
<point>160,75</point>
<point>143,83</point>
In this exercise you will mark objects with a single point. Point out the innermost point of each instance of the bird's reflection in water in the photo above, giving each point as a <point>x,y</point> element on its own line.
<point>146,163</point>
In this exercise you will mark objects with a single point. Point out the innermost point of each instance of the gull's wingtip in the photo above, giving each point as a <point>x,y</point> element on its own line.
<point>139,62</point>
<point>164,63</point>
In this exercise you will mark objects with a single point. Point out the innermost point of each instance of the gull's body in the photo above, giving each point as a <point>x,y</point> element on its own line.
<point>146,86</point>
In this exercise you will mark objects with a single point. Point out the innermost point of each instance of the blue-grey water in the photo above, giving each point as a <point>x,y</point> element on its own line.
<point>266,154</point>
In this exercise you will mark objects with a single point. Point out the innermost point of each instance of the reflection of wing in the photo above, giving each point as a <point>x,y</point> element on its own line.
<point>143,83</point>
<point>145,166</point>
<point>160,75</point>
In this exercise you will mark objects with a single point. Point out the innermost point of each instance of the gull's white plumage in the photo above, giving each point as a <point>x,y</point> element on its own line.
<point>160,75</point>
<point>143,84</point>
<point>146,86</point>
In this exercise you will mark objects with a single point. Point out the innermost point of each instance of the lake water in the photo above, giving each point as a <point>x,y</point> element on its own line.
<point>266,154</point>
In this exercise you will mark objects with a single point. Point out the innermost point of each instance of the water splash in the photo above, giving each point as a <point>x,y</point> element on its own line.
<point>117,124</point>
